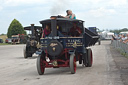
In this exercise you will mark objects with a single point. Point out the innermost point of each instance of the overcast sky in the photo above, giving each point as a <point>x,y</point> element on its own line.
<point>103,14</point>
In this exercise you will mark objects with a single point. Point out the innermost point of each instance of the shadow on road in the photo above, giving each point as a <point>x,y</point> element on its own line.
<point>61,70</point>
<point>22,57</point>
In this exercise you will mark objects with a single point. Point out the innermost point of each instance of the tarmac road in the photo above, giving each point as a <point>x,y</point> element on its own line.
<point>15,70</point>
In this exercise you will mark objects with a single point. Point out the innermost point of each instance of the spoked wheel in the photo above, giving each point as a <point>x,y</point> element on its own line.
<point>40,65</point>
<point>89,58</point>
<point>72,64</point>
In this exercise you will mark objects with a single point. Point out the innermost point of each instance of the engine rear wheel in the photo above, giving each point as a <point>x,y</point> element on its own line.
<point>72,64</point>
<point>40,64</point>
<point>89,58</point>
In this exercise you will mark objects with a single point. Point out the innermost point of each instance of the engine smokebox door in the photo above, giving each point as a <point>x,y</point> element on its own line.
<point>54,48</point>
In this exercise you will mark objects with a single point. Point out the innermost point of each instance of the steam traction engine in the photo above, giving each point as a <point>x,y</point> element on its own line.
<point>33,40</point>
<point>60,49</point>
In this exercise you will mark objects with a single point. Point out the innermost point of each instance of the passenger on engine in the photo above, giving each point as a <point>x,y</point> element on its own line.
<point>59,31</point>
<point>70,14</point>
<point>67,16</point>
<point>46,31</point>
<point>75,31</point>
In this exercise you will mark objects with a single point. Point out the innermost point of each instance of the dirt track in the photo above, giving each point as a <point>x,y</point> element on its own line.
<point>15,70</point>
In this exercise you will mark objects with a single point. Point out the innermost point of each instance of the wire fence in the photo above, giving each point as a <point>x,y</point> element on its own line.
<point>120,45</point>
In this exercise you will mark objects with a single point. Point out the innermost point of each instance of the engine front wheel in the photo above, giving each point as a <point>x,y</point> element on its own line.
<point>40,65</point>
<point>99,42</point>
<point>26,54</point>
<point>72,64</point>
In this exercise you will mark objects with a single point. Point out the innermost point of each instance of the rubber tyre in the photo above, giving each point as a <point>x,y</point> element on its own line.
<point>29,55</point>
<point>72,64</point>
<point>25,54</point>
<point>40,65</point>
<point>99,42</point>
<point>89,58</point>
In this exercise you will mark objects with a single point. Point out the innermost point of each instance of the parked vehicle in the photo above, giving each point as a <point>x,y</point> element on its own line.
<point>8,40</point>
<point>1,40</point>
<point>19,39</point>
<point>15,39</point>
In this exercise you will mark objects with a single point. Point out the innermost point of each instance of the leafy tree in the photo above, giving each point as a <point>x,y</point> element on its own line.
<point>15,28</point>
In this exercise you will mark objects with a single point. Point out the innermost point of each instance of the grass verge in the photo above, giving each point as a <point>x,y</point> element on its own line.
<point>122,52</point>
<point>4,44</point>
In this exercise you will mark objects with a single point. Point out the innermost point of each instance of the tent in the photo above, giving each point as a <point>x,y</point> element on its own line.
<point>107,35</point>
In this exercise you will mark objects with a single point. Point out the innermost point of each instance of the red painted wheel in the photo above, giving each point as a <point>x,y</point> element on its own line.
<point>73,64</point>
<point>40,65</point>
<point>89,58</point>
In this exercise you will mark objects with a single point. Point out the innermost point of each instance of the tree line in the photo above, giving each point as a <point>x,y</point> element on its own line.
<point>118,31</point>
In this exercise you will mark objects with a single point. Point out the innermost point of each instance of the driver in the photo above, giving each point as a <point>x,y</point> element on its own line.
<point>46,31</point>
<point>75,31</point>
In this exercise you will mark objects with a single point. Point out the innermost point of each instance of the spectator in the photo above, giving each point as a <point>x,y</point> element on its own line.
<point>126,39</point>
<point>118,37</point>
<point>123,38</point>
<point>113,38</point>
